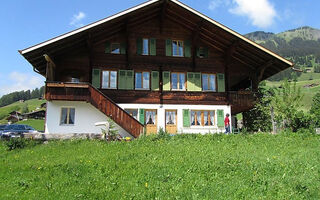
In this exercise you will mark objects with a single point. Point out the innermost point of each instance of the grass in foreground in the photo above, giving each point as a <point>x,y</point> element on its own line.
<point>181,167</point>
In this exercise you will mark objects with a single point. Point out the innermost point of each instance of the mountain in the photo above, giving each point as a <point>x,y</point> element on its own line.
<point>300,45</point>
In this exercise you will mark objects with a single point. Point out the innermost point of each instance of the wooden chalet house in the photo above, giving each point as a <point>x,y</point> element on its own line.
<point>160,64</point>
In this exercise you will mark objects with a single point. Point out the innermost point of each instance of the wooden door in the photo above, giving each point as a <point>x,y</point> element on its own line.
<point>151,121</point>
<point>171,121</point>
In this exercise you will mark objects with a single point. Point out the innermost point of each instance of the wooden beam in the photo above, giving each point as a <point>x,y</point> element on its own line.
<point>195,39</point>
<point>262,68</point>
<point>50,68</point>
<point>163,14</point>
<point>89,47</point>
<point>228,58</point>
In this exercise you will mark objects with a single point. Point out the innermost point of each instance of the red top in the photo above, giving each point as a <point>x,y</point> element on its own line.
<point>226,121</point>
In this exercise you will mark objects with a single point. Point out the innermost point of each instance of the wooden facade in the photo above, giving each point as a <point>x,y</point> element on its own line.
<point>76,56</point>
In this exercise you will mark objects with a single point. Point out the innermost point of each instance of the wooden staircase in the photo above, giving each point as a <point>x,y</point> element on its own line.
<point>86,92</point>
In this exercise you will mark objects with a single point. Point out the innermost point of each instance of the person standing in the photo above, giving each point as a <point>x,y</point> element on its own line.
<point>227,124</point>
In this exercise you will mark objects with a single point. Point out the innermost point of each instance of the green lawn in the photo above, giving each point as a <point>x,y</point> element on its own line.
<point>258,166</point>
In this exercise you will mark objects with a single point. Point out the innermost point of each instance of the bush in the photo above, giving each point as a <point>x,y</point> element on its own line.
<point>300,121</point>
<point>20,143</point>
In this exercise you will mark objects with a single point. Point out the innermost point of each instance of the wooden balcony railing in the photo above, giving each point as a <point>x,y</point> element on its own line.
<point>86,92</point>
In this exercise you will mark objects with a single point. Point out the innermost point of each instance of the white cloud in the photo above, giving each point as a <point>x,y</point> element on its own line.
<point>77,18</point>
<point>218,3</point>
<point>17,81</point>
<point>261,13</point>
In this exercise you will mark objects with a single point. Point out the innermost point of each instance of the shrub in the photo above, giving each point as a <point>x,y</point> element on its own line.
<point>20,143</point>
<point>300,120</point>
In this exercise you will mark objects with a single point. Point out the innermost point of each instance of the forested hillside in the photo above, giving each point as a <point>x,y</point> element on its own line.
<point>301,45</point>
<point>21,95</point>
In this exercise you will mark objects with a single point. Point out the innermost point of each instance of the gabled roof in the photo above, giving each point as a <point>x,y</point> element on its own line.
<point>34,54</point>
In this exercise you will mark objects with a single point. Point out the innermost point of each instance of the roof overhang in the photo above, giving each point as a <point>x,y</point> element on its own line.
<point>34,54</point>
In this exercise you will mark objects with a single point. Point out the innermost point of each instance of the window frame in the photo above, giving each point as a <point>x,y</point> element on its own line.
<point>202,122</point>
<point>101,78</point>
<point>68,117</point>
<point>115,43</point>
<point>178,82</point>
<point>216,82</point>
<point>172,53</point>
<point>135,87</point>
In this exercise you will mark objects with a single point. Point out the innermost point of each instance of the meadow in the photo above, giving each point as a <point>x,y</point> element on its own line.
<point>260,166</point>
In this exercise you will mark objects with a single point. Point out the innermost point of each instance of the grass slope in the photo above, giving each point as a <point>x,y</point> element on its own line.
<point>17,106</point>
<point>183,167</point>
<point>308,93</point>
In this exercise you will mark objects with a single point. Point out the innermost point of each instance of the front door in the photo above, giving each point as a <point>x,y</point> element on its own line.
<point>151,122</point>
<point>171,121</point>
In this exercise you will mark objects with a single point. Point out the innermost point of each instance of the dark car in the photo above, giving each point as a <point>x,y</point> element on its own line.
<point>15,130</point>
<point>2,128</point>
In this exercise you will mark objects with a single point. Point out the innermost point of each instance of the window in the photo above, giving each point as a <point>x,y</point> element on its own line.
<point>151,117</point>
<point>75,80</point>
<point>209,82</point>
<point>177,48</point>
<point>142,80</point>
<point>202,118</point>
<point>178,81</point>
<point>145,46</point>
<point>109,79</point>
<point>201,52</point>
<point>67,116</point>
<point>115,48</point>
<point>132,112</point>
<point>171,117</point>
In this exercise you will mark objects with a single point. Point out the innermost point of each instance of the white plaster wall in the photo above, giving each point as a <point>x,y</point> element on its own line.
<point>86,116</point>
<point>193,129</point>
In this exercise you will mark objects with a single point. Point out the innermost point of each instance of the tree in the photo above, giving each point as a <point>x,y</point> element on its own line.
<point>286,102</point>
<point>25,108</point>
<point>259,118</point>
<point>315,110</point>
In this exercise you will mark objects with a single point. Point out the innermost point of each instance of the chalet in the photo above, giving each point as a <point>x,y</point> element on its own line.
<point>15,116</point>
<point>160,64</point>
<point>38,114</point>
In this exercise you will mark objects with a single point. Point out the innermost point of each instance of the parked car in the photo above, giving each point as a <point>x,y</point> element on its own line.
<point>1,129</point>
<point>15,130</point>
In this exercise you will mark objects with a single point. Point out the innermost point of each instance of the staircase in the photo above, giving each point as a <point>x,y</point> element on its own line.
<point>86,92</point>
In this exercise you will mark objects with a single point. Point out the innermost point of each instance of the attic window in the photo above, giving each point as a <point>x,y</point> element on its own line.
<point>115,48</point>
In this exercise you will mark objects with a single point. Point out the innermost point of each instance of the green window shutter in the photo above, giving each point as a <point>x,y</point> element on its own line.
<point>187,48</point>
<point>154,80</point>
<point>220,118</point>
<point>153,47</point>
<point>123,48</point>
<point>139,46</point>
<point>96,78</point>
<point>206,52</point>
<point>166,81</point>
<point>198,52</point>
<point>168,47</point>
<point>197,82</point>
<point>129,79</point>
<point>221,83</point>
<point>186,118</point>
<point>190,81</point>
<point>107,48</point>
<point>122,80</point>
<point>141,116</point>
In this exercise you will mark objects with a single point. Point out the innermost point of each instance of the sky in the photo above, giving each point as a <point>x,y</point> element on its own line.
<point>28,22</point>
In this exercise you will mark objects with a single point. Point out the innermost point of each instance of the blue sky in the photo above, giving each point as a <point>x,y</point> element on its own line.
<point>28,22</point>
